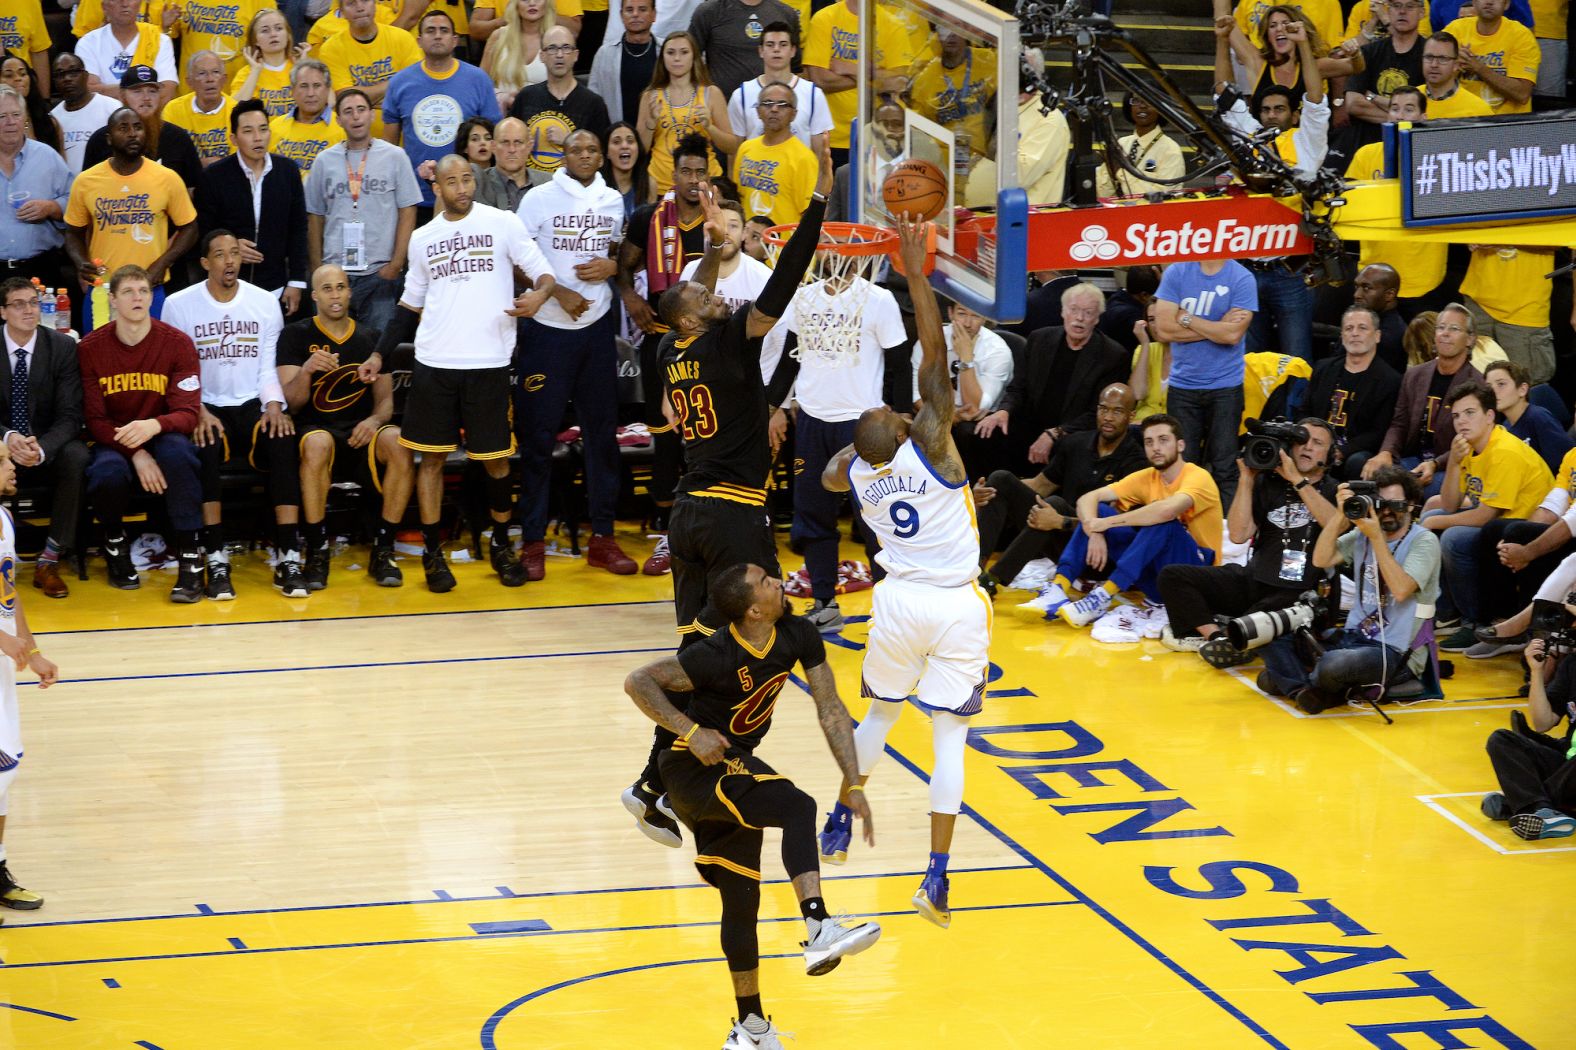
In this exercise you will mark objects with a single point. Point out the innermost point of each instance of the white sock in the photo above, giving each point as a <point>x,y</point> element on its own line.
<point>812,925</point>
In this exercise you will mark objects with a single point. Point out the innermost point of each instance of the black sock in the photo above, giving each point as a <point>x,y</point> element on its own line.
<point>500,534</point>
<point>212,538</point>
<point>813,908</point>
<point>286,538</point>
<point>114,533</point>
<point>749,1004</point>
<point>431,538</point>
<point>188,542</point>
<point>315,535</point>
<point>384,537</point>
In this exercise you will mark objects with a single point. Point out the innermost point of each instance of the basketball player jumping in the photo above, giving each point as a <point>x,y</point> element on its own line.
<point>726,795</point>
<point>711,367</point>
<point>931,623</point>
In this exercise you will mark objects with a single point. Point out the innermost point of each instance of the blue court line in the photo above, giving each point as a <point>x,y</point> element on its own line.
<point>36,1010</point>
<point>110,982</point>
<point>906,913</point>
<point>238,944</point>
<point>204,911</point>
<point>1083,898</point>
<point>516,926</point>
<point>364,616</point>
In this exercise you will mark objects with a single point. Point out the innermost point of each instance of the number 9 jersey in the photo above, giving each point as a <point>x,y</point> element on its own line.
<point>926,525</point>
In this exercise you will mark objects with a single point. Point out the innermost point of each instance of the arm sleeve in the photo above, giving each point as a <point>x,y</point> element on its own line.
<point>401,329</point>
<point>268,388</point>
<point>792,263</point>
<point>785,374</point>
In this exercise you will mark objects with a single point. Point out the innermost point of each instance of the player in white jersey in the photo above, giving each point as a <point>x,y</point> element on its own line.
<point>459,307</point>
<point>931,623</point>
<point>20,652</point>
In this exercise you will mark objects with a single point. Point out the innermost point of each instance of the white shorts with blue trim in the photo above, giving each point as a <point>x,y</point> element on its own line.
<point>10,732</point>
<point>929,638</point>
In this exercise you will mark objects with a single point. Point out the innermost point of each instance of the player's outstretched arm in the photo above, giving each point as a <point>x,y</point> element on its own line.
<point>834,476</point>
<point>795,258</point>
<point>932,426</point>
<point>839,730</point>
<point>646,687</point>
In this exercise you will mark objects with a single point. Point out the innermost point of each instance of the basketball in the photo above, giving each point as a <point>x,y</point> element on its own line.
<point>915,187</point>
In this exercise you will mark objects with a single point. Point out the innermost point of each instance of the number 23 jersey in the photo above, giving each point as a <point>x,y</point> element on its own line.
<point>736,685</point>
<point>714,387</point>
<point>926,525</point>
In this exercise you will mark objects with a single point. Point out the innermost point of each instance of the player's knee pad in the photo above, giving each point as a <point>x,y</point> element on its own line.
<point>741,906</point>
<point>950,737</point>
<point>500,494</point>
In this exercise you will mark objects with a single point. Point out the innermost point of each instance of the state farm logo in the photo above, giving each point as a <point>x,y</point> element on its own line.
<point>1095,243</point>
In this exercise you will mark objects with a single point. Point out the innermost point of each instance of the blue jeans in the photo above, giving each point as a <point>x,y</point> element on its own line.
<point>1349,661</point>
<point>1210,420</point>
<point>1285,312</point>
<point>111,482</point>
<point>373,299</point>
<point>295,16</point>
<point>1458,570</point>
<point>1135,554</point>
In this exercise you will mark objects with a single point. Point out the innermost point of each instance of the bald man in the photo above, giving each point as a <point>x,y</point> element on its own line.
<point>1377,287</point>
<point>503,184</point>
<point>556,108</point>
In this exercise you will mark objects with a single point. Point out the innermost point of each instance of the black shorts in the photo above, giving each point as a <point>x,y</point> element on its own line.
<point>707,535</point>
<point>723,807</point>
<point>345,463</point>
<point>447,405</point>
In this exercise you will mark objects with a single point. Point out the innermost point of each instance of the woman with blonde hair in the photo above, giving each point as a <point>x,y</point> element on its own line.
<point>271,53</point>
<point>513,56</point>
<point>682,101</point>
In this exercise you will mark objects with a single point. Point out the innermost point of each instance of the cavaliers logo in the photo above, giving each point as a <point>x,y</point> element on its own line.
<point>533,382</point>
<point>755,710</point>
<point>337,390</point>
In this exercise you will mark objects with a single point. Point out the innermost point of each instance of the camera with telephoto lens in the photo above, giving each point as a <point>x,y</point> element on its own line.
<point>1552,623</point>
<point>1261,628</point>
<point>1364,494</point>
<point>1267,439</point>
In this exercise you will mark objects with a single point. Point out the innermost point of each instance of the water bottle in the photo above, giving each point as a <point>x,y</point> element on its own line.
<point>46,306</point>
<point>62,311</point>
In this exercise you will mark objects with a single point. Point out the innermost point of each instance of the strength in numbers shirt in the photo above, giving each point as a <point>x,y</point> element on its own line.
<point>574,224</point>
<point>236,342</point>
<point>126,214</point>
<point>462,279</point>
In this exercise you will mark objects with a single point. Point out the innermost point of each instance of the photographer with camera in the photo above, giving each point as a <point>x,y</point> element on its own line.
<point>1537,772</point>
<point>1356,392</point>
<point>1396,567</point>
<point>1283,496</point>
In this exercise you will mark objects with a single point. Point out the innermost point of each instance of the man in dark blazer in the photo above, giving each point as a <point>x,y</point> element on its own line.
<point>43,421</point>
<point>1055,388</point>
<point>271,225</point>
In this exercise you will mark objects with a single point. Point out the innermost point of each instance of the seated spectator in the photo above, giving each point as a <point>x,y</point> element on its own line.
<point>1420,349</point>
<point>1395,563</point>
<point>1207,329</point>
<point>1166,514</point>
<point>1355,392</point>
<point>1042,507</point>
<point>1378,288</point>
<point>981,366</point>
<point>271,54</point>
<point>122,44</point>
<point>1508,295</point>
<point>1499,58</point>
<point>1536,772</point>
<point>1517,557</point>
<point>1272,385</point>
<point>1147,149</point>
<point>204,113</point>
<point>162,141</point>
<point>1064,370</point>
<point>140,397</point>
<point>1279,513</point>
<point>1151,367</point>
<point>308,128</point>
<point>343,436</point>
<point>42,427</point>
<point>1488,474</point>
<point>1420,434</point>
<point>1531,423</point>
<point>1129,305</point>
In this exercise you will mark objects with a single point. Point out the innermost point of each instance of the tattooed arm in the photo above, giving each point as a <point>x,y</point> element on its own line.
<point>648,687</point>
<point>839,730</point>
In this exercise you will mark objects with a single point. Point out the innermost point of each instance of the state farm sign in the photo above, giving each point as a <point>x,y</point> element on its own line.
<point>1235,227</point>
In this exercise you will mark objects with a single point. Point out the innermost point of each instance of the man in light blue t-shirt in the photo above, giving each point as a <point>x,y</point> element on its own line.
<point>426,103</point>
<point>1203,309</point>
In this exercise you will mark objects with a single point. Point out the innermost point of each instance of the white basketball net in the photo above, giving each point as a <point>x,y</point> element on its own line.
<point>830,319</point>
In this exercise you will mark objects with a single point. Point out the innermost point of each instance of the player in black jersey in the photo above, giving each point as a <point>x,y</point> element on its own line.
<point>711,371</point>
<point>725,795</point>
<point>342,422</point>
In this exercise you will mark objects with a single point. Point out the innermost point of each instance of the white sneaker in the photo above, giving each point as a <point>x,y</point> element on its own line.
<point>833,940</point>
<point>1088,609</point>
<point>1049,600</point>
<point>1191,644</point>
<point>741,1038</point>
<point>1156,620</point>
<point>1120,626</point>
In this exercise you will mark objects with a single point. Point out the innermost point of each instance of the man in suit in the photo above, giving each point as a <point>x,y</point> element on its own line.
<point>273,239</point>
<point>1064,370</point>
<point>41,395</point>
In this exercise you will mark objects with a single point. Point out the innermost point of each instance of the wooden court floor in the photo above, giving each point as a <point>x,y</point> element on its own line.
<point>388,819</point>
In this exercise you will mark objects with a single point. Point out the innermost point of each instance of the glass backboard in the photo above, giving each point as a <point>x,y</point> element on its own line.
<point>941,84</point>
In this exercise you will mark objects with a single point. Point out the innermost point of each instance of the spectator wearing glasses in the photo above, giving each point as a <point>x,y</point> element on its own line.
<point>776,173</point>
<point>39,187</point>
<point>557,108</point>
<point>1442,81</point>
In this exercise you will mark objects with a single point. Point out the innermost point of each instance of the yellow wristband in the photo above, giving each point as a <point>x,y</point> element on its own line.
<point>856,787</point>
<point>691,732</point>
<point>32,652</point>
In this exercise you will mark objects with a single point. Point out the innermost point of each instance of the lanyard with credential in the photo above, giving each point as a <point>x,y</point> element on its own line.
<point>355,177</point>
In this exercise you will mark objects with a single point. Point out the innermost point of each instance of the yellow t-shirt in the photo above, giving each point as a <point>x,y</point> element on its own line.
<point>90,15</point>
<point>775,180</point>
<point>1421,265</point>
<point>1155,401</point>
<point>333,23</point>
<point>289,137</point>
<point>455,9</point>
<point>1509,284</point>
<point>1262,374</point>
<point>1548,18</point>
<point>125,215</point>
<point>568,8</point>
<point>599,5</point>
<point>1203,519</point>
<point>218,26</point>
<point>1324,14</point>
<point>961,99</point>
<point>273,88</point>
<point>1360,13</point>
<point>1463,103</point>
<point>1565,477</point>
<point>1511,51</point>
<point>1507,474</point>
<point>834,33</point>
<point>22,29</point>
<point>210,132</point>
<point>354,64</point>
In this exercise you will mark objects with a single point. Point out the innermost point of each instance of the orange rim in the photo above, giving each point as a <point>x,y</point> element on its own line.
<point>871,240</point>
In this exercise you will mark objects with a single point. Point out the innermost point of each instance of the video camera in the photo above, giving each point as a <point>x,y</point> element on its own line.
<point>1266,439</point>
<point>1261,628</point>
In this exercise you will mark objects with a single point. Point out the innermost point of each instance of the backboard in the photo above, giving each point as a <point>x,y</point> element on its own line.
<point>941,84</point>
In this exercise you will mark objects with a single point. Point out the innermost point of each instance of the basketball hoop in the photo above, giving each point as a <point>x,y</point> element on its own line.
<point>848,250</point>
